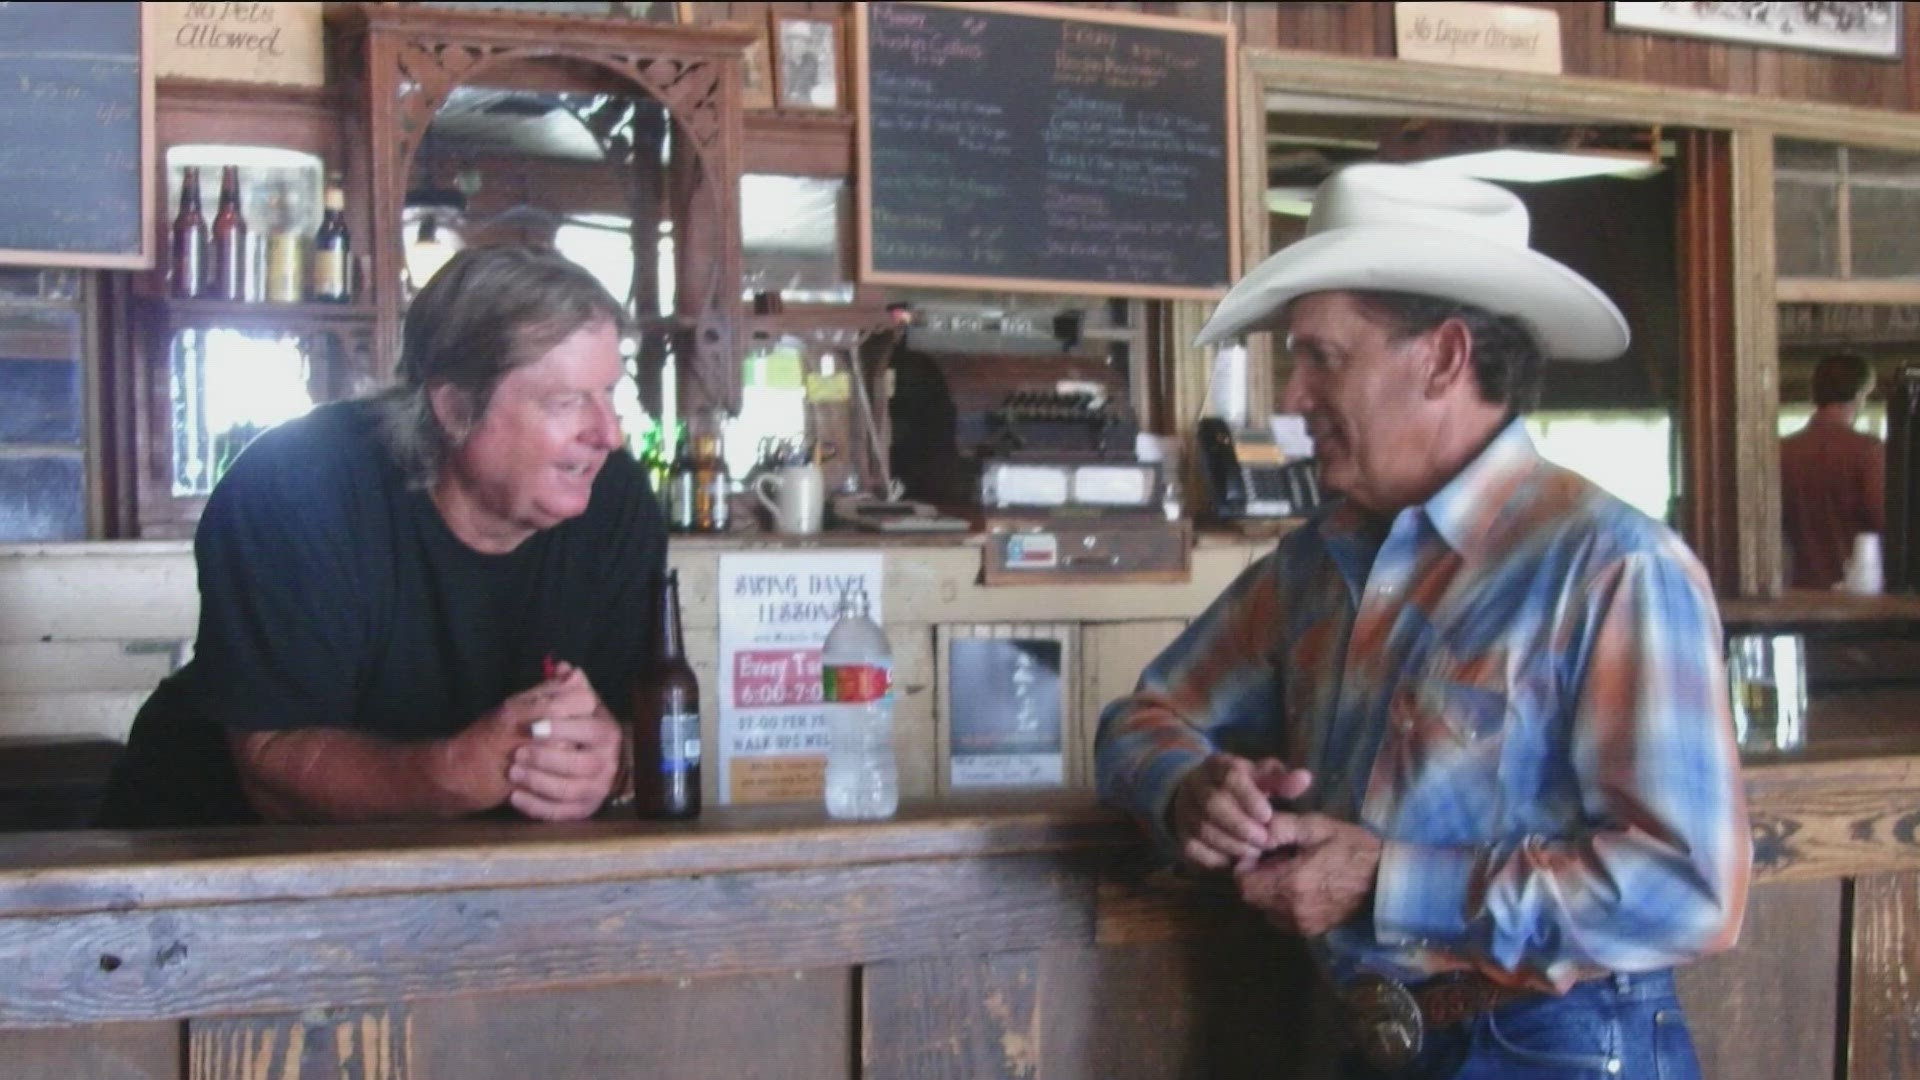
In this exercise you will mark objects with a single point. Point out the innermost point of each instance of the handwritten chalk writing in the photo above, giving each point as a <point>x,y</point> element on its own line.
<point>1072,149</point>
<point>70,131</point>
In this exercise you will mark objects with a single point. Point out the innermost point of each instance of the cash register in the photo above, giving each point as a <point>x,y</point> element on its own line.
<point>1038,449</point>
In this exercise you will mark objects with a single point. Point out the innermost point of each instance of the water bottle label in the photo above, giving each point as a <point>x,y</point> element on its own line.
<point>679,741</point>
<point>855,683</point>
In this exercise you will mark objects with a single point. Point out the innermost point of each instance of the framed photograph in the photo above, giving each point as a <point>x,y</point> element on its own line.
<point>1870,28</point>
<point>1007,707</point>
<point>667,13</point>
<point>757,79</point>
<point>807,54</point>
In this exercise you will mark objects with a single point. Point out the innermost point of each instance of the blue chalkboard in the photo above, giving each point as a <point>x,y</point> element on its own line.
<point>1046,148</point>
<point>76,131</point>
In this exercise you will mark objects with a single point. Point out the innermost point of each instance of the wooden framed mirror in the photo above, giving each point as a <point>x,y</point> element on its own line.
<point>658,105</point>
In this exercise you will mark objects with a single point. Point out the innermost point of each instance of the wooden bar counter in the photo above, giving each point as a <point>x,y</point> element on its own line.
<point>1013,937</point>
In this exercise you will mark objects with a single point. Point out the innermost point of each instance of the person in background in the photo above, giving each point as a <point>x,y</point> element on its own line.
<point>1832,478</point>
<point>1467,729</point>
<point>420,604</point>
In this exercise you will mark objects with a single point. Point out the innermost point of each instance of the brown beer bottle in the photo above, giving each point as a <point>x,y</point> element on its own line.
<point>229,278</point>
<point>188,262</point>
<point>332,279</point>
<point>666,720</point>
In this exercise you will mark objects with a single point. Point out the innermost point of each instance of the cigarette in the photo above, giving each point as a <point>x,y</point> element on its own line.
<point>542,728</point>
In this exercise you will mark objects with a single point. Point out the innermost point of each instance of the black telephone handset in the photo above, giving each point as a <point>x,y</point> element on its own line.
<point>1225,482</point>
<point>1248,477</point>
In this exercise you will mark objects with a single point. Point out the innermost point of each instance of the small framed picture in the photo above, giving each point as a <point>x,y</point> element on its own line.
<point>666,13</point>
<point>757,80</point>
<point>807,49</point>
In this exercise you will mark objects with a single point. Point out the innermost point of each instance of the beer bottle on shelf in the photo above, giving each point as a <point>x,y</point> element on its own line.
<point>286,269</point>
<point>680,489</point>
<point>229,277</point>
<point>666,720</point>
<point>711,486</point>
<point>331,250</point>
<point>187,262</point>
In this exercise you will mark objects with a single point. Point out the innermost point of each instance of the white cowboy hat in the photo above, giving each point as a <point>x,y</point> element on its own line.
<point>1396,228</point>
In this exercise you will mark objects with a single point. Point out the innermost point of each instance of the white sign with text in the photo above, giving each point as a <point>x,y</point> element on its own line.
<point>232,42</point>
<point>775,611</point>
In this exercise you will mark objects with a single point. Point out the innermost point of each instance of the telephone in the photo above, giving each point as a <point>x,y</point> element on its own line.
<point>1248,477</point>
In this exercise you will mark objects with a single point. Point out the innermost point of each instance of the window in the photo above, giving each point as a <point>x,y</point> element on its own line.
<point>43,405</point>
<point>1629,453</point>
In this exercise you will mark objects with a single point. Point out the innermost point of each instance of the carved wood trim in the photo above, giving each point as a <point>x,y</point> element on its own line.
<point>416,57</point>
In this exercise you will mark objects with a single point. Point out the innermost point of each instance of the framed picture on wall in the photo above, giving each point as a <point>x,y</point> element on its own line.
<point>757,79</point>
<point>1007,707</point>
<point>807,52</point>
<point>1870,28</point>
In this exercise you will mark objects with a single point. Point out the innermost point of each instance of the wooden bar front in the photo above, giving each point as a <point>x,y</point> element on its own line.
<point>1010,938</point>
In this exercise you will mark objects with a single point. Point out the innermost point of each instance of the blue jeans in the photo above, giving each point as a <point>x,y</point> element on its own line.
<point>1627,1027</point>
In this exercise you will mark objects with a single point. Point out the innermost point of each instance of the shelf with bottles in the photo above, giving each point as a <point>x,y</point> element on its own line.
<point>278,236</point>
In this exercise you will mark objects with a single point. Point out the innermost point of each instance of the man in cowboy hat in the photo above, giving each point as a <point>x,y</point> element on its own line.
<point>1466,729</point>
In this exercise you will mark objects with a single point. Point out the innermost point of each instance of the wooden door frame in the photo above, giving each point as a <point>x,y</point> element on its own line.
<point>1749,384</point>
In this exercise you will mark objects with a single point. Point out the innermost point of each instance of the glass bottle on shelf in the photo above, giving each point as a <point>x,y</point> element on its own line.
<point>229,277</point>
<point>666,719</point>
<point>187,261</point>
<point>286,269</point>
<point>332,250</point>
<point>711,485</point>
<point>680,489</point>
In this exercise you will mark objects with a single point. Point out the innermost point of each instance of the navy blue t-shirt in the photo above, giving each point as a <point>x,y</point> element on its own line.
<point>331,595</point>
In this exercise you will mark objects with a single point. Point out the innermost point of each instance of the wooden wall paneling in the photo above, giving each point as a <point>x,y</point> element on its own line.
<point>1113,655</point>
<point>1704,248</point>
<point>112,592</point>
<point>1756,375</point>
<point>1883,1042</point>
<point>318,1044</point>
<point>70,714</point>
<point>86,631</point>
<point>770,1026</point>
<point>916,710</point>
<point>958,1017</point>
<point>1814,820</point>
<point>1774,998</point>
<point>1120,1014</point>
<point>1239,1004</point>
<point>941,584</point>
<point>1576,96</point>
<point>195,961</point>
<point>1073,746</point>
<point>1187,369</point>
<point>1256,243</point>
<point>150,1051</point>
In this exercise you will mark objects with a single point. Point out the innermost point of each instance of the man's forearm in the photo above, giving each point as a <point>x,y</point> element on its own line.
<point>328,774</point>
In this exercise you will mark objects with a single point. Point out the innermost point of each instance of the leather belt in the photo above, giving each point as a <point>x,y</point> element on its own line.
<point>1387,1022</point>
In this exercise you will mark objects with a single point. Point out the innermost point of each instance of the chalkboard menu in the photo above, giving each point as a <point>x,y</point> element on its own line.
<point>76,135</point>
<point>1025,147</point>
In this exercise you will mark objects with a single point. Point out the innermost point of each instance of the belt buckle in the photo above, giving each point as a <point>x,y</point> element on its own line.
<point>1384,1025</point>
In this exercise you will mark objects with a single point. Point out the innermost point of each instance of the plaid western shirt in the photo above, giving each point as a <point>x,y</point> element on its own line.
<point>1518,687</point>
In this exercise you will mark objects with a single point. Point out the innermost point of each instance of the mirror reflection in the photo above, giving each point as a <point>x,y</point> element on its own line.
<point>791,232</point>
<point>584,172</point>
<point>587,172</point>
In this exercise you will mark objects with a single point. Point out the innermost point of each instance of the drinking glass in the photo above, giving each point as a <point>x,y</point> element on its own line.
<point>1767,675</point>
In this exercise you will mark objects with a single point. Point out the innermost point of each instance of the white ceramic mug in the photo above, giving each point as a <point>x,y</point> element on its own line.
<point>798,501</point>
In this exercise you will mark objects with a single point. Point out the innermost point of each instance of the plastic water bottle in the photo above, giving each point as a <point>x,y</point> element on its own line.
<point>856,672</point>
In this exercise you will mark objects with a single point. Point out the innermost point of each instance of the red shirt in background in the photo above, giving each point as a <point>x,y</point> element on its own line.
<point>1832,486</point>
